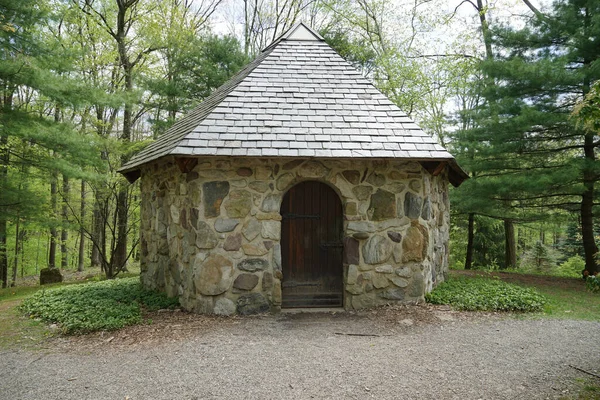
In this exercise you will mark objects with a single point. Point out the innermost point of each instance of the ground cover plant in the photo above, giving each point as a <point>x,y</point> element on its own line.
<point>486,294</point>
<point>93,306</point>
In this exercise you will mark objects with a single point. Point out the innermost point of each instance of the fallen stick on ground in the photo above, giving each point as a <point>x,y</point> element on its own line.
<point>584,371</point>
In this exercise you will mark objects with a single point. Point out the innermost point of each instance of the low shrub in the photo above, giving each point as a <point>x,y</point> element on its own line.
<point>486,294</point>
<point>93,306</point>
<point>592,282</point>
<point>571,268</point>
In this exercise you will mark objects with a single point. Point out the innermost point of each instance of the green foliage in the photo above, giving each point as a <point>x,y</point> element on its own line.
<point>484,294</point>
<point>571,268</point>
<point>540,258</point>
<point>94,306</point>
<point>592,282</point>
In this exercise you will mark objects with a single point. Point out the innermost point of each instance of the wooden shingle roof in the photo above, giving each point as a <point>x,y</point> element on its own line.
<point>298,98</point>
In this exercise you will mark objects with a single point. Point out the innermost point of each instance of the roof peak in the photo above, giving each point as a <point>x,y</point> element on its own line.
<point>301,31</point>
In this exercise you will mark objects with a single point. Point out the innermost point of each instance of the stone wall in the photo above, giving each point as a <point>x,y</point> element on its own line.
<point>212,236</point>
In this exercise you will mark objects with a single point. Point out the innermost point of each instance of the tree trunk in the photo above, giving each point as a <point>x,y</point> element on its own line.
<point>4,159</point>
<point>587,203</point>
<point>64,233</point>
<point>510,249</point>
<point>81,255</point>
<point>53,231</point>
<point>470,234</point>
<point>17,249</point>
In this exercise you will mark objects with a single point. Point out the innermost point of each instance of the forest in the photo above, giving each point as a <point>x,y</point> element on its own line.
<point>509,87</point>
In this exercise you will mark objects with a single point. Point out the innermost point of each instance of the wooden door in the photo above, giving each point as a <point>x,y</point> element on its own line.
<point>311,246</point>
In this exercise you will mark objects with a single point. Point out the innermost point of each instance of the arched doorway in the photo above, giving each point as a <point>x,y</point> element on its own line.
<point>311,246</point>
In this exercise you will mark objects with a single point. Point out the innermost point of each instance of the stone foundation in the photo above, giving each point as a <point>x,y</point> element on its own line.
<point>212,236</point>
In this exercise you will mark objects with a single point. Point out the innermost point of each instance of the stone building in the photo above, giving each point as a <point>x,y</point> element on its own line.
<point>295,184</point>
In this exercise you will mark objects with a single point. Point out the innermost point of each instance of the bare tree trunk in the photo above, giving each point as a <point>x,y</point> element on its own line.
<point>64,234</point>
<point>510,250</point>
<point>470,235</point>
<point>81,256</point>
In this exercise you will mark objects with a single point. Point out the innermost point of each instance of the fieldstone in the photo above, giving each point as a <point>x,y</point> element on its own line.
<point>243,171</point>
<point>361,226</point>
<point>352,274</point>
<point>361,235</point>
<point>352,176</point>
<point>239,203</point>
<point>395,236</point>
<point>284,181</point>
<point>205,237</point>
<point>393,293</point>
<point>376,179</point>
<point>254,249</point>
<point>271,230</point>
<point>268,244</point>
<point>267,281</point>
<point>174,213</point>
<point>377,250</point>
<point>312,169</point>
<point>233,242</point>
<point>212,276</point>
<point>194,215</point>
<point>292,164</point>
<point>224,306</point>
<point>245,282</point>
<point>251,229</point>
<point>277,258</point>
<point>183,219</point>
<point>415,185</point>
<point>239,183</point>
<point>363,301</point>
<point>414,245</point>
<point>398,281</point>
<point>417,286</point>
<point>384,269</point>
<point>252,303</point>
<point>396,176</point>
<point>380,281</point>
<point>262,173</point>
<point>253,264</point>
<point>404,272</point>
<point>362,192</point>
<point>397,253</point>
<point>396,187</point>
<point>213,195</point>
<point>426,212</point>
<point>271,203</point>
<point>350,255</point>
<point>50,275</point>
<point>355,289</point>
<point>259,186</point>
<point>412,205</point>
<point>351,208</point>
<point>383,205</point>
<point>276,293</point>
<point>226,224</point>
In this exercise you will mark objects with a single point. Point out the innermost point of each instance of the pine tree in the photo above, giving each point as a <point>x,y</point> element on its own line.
<point>530,157</point>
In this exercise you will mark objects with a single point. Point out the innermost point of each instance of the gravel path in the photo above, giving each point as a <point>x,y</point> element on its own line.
<point>304,356</point>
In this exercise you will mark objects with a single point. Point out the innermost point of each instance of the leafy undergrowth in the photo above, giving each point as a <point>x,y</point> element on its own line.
<point>567,298</point>
<point>94,306</point>
<point>485,294</point>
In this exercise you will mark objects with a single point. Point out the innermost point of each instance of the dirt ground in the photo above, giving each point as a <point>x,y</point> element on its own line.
<point>414,352</point>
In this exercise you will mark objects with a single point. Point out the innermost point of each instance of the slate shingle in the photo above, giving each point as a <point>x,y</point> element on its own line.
<point>298,98</point>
